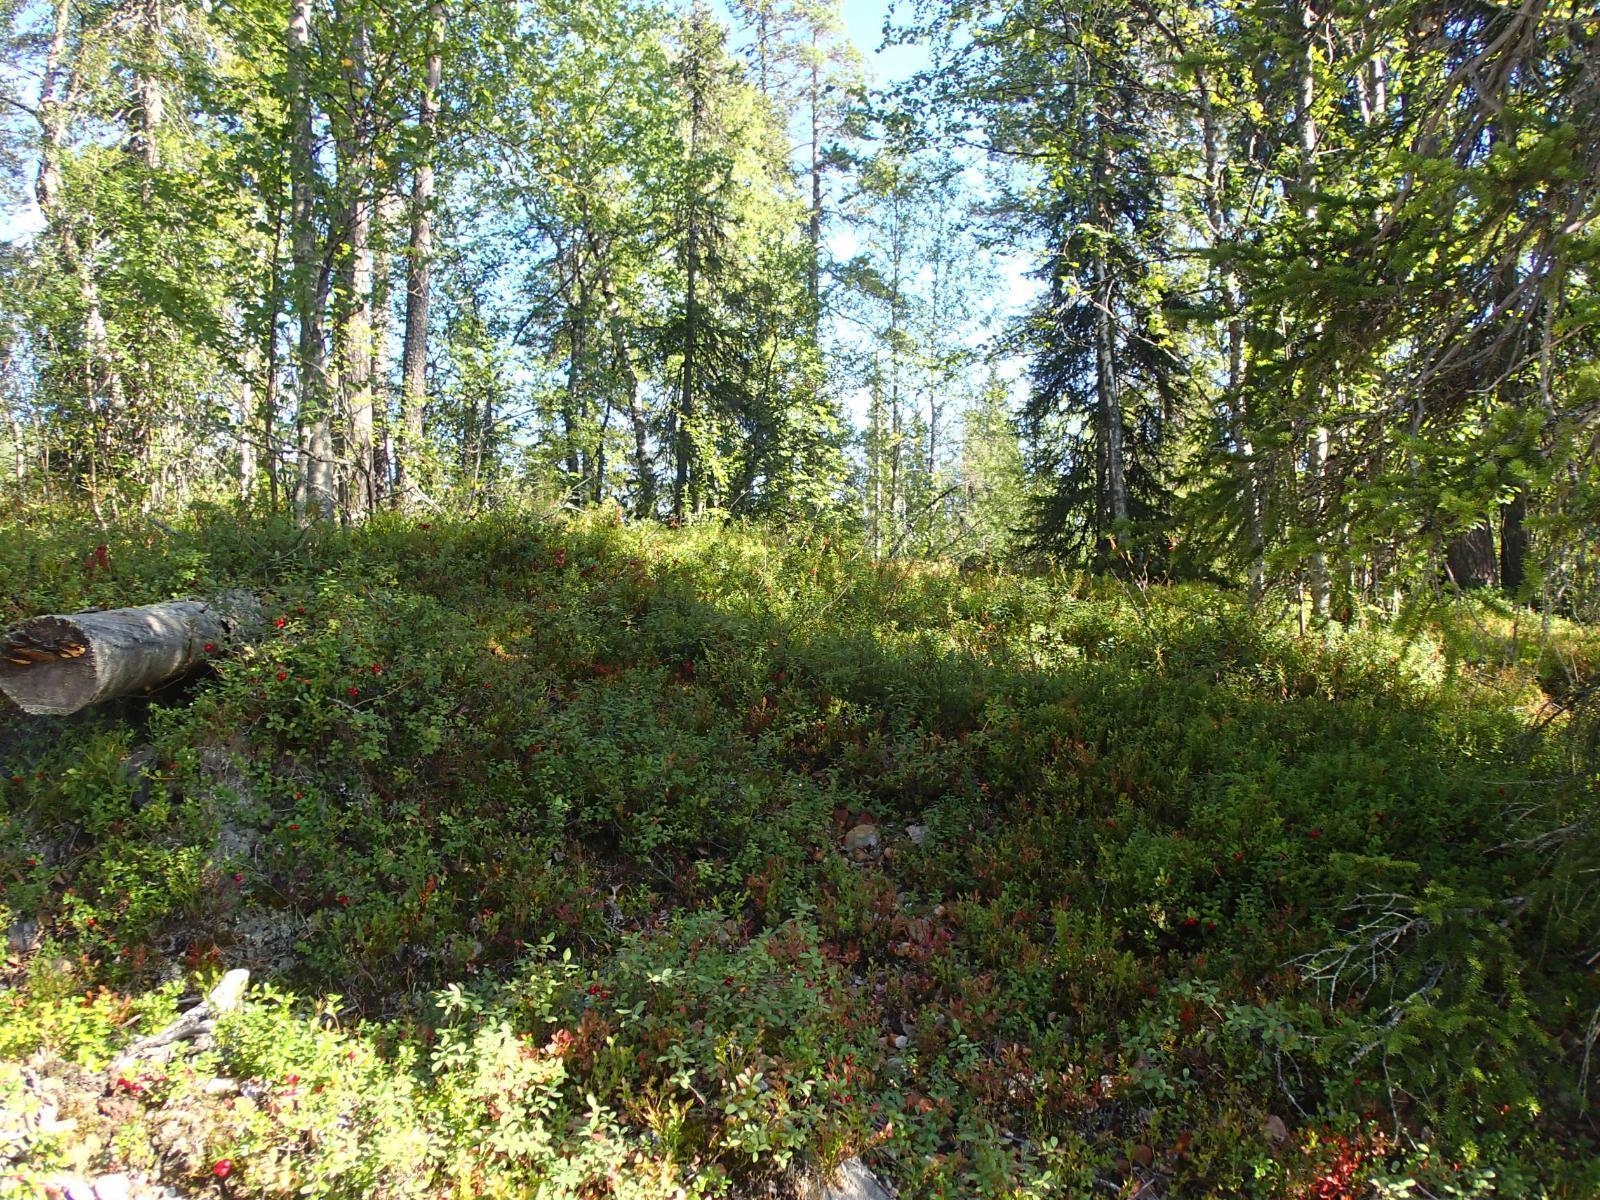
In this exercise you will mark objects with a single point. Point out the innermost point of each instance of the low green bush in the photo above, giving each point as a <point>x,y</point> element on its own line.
<point>557,811</point>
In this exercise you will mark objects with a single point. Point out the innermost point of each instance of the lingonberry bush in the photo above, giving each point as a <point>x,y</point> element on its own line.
<point>533,836</point>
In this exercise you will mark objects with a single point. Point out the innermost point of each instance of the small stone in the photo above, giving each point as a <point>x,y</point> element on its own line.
<point>226,995</point>
<point>221,1087</point>
<point>853,1181</point>
<point>52,1125</point>
<point>901,1041</point>
<point>1143,1155</point>
<point>22,936</point>
<point>113,1187</point>
<point>1275,1129</point>
<point>917,833</point>
<point>862,839</point>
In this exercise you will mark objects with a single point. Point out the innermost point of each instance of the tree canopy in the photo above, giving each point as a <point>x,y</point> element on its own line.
<point>1311,309</point>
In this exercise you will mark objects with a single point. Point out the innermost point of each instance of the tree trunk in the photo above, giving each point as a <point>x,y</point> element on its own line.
<point>1513,545</point>
<point>1114,504</point>
<point>20,455</point>
<point>143,119</point>
<point>53,117</point>
<point>875,464</point>
<point>361,493</point>
<point>1470,559</point>
<point>102,385</point>
<point>247,415</point>
<point>149,106</point>
<point>316,466</point>
<point>814,267</point>
<point>419,261</point>
<point>1321,592</point>
<point>1306,127</point>
<point>385,218</point>
<point>55,665</point>
<point>1222,232</point>
<point>684,448</point>
<point>645,504</point>
<point>897,251</point>
<point>572,405</point>
<point>318,492</point>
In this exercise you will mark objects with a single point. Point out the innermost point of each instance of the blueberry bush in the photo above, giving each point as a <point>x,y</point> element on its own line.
<point>533,836</point>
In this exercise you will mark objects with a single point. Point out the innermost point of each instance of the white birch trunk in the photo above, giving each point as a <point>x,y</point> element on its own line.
<point>54,665</point>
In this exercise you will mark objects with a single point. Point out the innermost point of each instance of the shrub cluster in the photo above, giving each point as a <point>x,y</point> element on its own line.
<point>1161,891</point>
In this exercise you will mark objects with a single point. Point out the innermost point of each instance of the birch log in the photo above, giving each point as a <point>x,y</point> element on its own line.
<point>55,665</point>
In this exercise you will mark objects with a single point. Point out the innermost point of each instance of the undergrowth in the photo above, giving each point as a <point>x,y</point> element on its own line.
<point>531,835</point>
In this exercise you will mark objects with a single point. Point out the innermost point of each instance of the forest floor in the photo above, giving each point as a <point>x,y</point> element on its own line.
<point>651,864</point>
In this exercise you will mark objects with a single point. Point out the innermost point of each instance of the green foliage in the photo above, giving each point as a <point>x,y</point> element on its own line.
<point>557,810</point>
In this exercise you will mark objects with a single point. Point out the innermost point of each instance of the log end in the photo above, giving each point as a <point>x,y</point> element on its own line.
<point>47,667</point>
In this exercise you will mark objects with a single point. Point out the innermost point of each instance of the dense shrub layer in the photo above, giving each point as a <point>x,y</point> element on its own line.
<point>1165,893</point>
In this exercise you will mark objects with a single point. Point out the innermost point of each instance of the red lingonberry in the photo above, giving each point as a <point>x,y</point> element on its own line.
<point>209,647</point>
<point>223,1168</point>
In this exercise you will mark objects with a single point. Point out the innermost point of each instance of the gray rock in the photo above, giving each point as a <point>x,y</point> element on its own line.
<point>139,768</point>
<point>23,935</point>
<point>854,1182</point>
<point>862,839</point>
<point>265,937</point>
<point>113,1187</point>
<point>226,995</point>
<point>917,833</point>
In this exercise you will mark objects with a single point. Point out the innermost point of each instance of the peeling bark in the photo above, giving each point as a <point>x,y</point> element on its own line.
<point>54,665</point>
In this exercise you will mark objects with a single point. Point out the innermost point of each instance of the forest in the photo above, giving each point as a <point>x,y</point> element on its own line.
<point>819,599</point>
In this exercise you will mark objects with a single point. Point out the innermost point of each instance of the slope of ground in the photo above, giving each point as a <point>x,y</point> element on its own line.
<point>650,863</point>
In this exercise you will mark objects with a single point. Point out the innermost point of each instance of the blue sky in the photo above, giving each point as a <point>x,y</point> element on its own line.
<point>864,20</point>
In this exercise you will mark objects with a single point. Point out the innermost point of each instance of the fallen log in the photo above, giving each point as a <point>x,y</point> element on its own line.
<point>54,665</point>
